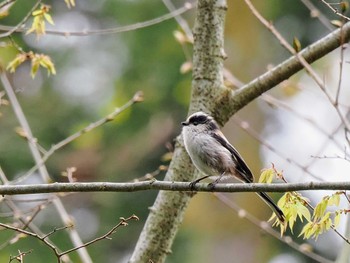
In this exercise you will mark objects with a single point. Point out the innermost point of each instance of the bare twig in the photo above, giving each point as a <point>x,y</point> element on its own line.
<point>56,229</point>
<point>301,59</point>
<point>263,142</point>
<point>151,175</point>
<point>25,221</point>
<point>138,97</point>
<point>336,11</point>
<point>6,2</point>
<point>179,19</point>
<point>268,229</point>
<point>309,70</point>
<point>3,177</point>
<point>275,102</point>
<point>123,222</point>
<point>336,100</point>
<point>59,255</point>
<point>73,234</point>
<point>28,233</point>
<point>19,257</point>
<point>315,12</point>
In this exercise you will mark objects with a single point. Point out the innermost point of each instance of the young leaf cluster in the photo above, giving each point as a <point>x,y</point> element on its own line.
<point>295,206</point>
<point>269,174</point>
<point>41,16</point>
<point>322,219</point>
<point>37,60</point>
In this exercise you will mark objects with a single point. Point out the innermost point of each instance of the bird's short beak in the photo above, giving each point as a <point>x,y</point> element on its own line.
<point>184,123</point>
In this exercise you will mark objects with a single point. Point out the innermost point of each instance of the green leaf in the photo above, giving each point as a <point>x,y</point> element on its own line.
<point>34,69</point>
<point>334,199</point>
<point>282,201</point>
<point>38,12</point>
<point>337,219</point>
<point>267,176</point>
<point>307,231</point>
<point>18,60</point>
<point>296,44</point>
<point>303,212</point>
<point>70,3</point>
<point>48,18</point>
<point>320,209</point>
<point>344,6</point>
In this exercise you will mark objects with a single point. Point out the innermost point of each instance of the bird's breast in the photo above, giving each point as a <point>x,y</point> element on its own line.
<point>208,155</point>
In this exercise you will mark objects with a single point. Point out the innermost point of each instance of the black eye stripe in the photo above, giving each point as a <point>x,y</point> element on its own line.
<point>198,119</point>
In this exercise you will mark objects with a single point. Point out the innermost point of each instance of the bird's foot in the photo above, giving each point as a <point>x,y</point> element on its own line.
<point>193,183</point>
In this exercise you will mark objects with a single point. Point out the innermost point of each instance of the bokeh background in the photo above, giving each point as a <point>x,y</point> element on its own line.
<point>95,74</point>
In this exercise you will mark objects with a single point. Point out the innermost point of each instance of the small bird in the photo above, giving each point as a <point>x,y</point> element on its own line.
<point>213,155</point>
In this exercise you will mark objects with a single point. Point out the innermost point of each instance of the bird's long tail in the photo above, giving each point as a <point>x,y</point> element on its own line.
<point>272,205</point>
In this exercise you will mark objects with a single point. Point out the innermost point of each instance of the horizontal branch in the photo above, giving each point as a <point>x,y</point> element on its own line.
<point>187,6</point>
<point>168,186</point>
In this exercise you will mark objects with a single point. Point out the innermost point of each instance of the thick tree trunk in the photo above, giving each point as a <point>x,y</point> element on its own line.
<point>167,212</point>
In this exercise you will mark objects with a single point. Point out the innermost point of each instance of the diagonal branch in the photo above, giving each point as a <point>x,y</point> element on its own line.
<point>241,97</point>
<point>138,97</point>
<point>65,217</point>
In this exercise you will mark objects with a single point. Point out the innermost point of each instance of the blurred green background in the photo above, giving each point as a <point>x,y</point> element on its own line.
<point>95,74</point>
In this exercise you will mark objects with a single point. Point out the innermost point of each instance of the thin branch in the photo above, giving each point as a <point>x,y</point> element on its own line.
<point>25,221</point>
<point>308,204</point>
<point>252,90</point>
<point>285,44</point>
<point>59,255</point>
<point>123,222</point>
<point>269,230</point>
<point>179,19</point>
<point>169,186</point>
<point>305,64</point>
<point>278,103</point>
<point>6,2</point>
<point>342,48</point>
<point>315,12</point>
<point>181,10</point>
<point>20,255</point>
<point>336,11</point>
<point>3,177</point>
<point>273,149</point>
<point>56,229</point>
<point>65,217</point>
<point>138,97</point>
<point>17,27</point>
<point>28,233</point>
<point>301,59</point>
<point>151,175</point>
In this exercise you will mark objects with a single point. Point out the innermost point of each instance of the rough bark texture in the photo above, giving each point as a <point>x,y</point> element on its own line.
<point>167,212</point>
<point>208,57</point>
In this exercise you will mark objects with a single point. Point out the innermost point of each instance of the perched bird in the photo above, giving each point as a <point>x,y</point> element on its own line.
<point>213,155</point>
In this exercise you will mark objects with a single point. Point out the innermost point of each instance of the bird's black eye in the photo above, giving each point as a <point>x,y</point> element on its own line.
<point>198,119</point>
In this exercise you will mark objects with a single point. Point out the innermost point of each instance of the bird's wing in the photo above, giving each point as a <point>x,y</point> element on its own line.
<point>241,167</point>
